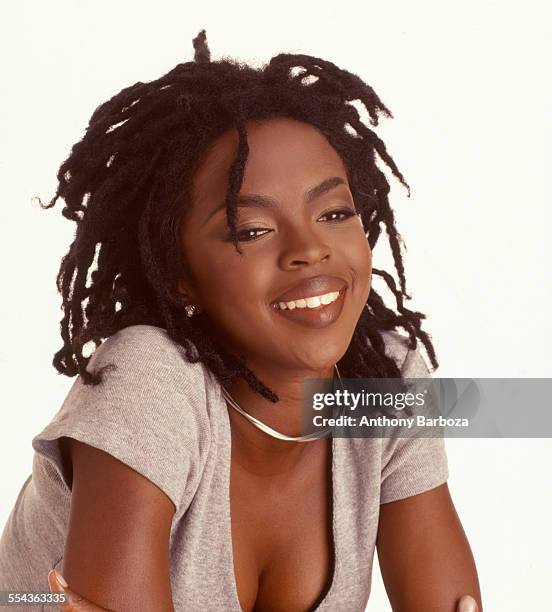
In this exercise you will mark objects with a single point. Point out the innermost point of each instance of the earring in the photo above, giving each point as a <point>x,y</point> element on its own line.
<point>192,310</point>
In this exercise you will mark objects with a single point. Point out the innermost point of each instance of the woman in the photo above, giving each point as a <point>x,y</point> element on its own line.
<point>232,213</point>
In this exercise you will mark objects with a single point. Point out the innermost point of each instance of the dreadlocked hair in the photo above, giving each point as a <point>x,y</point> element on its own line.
<point>128,182</point>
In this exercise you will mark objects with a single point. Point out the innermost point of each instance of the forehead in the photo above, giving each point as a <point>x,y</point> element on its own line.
<point>285,157</point>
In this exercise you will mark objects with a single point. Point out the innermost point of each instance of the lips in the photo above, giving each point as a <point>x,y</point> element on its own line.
<point>310,287</point>
<point>317,318</point>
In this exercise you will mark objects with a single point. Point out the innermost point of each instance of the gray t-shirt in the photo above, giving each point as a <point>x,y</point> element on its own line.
<point>167,419</point>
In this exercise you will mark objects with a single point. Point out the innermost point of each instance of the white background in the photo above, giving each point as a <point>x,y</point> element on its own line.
<point>469,86</point>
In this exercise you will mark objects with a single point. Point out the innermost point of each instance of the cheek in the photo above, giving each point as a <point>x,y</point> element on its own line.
<point>230,287</point>
<point>360,257</point>
<point>237,305</point>
<point>360,260</point>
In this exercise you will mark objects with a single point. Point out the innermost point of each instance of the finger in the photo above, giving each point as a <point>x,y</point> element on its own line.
<point>467,604</point>
<point>75,602</point>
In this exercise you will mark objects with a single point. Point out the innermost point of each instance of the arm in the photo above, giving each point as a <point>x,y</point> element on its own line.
<point>117,547</point>
<point>425,558</point>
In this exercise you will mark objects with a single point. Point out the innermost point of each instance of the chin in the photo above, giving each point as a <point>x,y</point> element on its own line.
<point>320,360</point>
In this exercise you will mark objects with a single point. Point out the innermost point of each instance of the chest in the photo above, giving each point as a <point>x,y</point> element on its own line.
<point>282,536</point>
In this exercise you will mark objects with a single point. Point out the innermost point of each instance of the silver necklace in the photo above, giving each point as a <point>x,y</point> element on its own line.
<point>272,432</point>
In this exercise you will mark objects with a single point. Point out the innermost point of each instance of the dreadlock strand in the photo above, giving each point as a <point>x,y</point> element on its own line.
<point>202,53</point>
<point>236,177</point>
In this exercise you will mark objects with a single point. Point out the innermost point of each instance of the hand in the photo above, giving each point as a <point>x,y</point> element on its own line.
<point>467,604</point>
<point>75,602</point>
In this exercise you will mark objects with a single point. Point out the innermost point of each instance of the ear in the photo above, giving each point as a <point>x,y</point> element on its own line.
<point>183,289</point>
<point>186,292</point>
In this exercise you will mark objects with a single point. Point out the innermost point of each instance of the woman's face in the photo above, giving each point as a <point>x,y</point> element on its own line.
<point>300,237</point>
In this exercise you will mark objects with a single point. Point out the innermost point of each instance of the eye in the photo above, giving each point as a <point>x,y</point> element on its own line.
<point>250,234</point>
<point>340,214</point>
<point>254,233</point>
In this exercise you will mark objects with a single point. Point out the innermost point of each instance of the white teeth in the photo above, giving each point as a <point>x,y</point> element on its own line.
<point>311,302</point>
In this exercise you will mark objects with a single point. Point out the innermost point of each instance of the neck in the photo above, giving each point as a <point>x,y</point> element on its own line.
<point>254,449</point>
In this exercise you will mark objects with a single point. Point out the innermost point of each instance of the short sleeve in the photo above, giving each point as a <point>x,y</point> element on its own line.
<point>148,411</point>
<point>410,466</point>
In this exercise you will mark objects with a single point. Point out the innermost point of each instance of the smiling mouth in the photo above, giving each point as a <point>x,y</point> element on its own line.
<point>313,312</point>
<point>309,302</point>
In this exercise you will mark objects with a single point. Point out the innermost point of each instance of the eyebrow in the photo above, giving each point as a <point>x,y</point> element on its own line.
<point>261,201</point>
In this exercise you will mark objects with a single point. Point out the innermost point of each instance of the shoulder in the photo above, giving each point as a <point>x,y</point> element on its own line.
<point>396,346</point>
<point>138,341</point>
<point>147,380</point>
<point>145,356</point>
<point>414,464</point>
<point>410,361</point>
<point>152,410</point>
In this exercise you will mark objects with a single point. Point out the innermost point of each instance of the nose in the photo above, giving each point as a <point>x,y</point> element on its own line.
<point>303,247</point>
